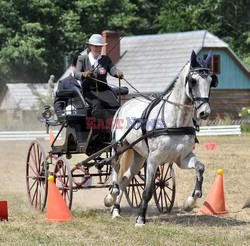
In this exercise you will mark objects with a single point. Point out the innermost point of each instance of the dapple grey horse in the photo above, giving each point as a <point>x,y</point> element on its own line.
<point>170,138</point>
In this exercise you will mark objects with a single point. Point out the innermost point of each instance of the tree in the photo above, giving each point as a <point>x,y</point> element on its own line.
<point>37,35</point>
<point>229,20</point>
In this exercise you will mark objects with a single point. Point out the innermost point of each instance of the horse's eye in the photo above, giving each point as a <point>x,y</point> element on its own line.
<point>193,82</point>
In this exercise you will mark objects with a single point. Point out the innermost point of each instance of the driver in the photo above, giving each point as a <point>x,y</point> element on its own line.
<point>92,69</point>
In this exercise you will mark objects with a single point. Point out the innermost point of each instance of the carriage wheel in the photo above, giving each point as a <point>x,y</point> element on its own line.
<point>108,168</point>
<point>37,176</point>
<point>63,180</point>
<point>134,190</point>
<point>164,188</point>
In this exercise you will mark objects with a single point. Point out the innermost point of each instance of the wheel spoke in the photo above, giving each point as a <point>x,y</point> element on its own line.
<point>166,173</point>
<point>164,191</point>
<point>34,160</point>
<point>32,186</point>
<point>135,189</point>
<point>35,194</point>
<point>63,179</point>
<point>36,173</point>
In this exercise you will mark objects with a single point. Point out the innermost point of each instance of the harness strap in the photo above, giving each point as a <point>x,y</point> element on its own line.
<point>171,131</point>
<point>145,115</point>
<point>163,131</point>
<point>197,128</point>
<point>156,133</point>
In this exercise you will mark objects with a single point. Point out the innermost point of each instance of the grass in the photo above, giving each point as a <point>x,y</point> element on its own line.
<point>95,226</point>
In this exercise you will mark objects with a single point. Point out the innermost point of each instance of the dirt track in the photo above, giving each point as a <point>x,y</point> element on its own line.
<point>232,155</point>
<point>12,175</point>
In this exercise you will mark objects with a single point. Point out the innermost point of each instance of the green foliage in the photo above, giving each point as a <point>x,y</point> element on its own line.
<point>245,113</point>
<point>245,128</point>
<point>229,20</point>
<point>37,35</point>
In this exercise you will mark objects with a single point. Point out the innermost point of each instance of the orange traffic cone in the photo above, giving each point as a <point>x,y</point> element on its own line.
<point>51,136</point>
<point>57,210</point>
<point>3,210</point>
<point>215,201</point>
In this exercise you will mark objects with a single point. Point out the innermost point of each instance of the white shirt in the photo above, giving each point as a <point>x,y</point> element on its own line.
<point>93,61</point>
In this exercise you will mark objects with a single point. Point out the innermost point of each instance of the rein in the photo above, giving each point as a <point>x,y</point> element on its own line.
<point>97,80</point>
<point>174,131</point>
<point>177,104</point>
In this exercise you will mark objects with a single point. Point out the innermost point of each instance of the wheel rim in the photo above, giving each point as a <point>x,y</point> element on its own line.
<point>63,180</point>
<point>164,188</point>
<point>37,176</point>
<point>108,168</point>
<point>134,190</point>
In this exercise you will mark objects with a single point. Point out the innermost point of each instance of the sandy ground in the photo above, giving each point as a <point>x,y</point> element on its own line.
<point>12,175</point>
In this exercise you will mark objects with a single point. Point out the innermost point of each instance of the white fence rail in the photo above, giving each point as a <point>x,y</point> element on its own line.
<point>25,135</point>
<point>32,135</point>
<point>219,130</point>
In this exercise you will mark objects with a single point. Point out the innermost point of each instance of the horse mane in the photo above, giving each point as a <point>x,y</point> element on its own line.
<point>172,87</point>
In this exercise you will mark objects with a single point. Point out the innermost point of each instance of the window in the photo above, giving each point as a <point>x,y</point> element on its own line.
<point>215,63</point>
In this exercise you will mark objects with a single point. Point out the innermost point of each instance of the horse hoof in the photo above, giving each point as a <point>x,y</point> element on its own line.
<point>139,225</point>
<point>140,222</point>
<point>116,214</point>
<point>189,204</point>
<point>197,193</point>
<point>109,200</point>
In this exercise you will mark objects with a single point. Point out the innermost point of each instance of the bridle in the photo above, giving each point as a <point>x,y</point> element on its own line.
<point>204,73</point>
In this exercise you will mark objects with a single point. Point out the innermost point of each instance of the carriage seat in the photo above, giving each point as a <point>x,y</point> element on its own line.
<point>81,109</point>
<point>123,90</point>
<point>74,107</point>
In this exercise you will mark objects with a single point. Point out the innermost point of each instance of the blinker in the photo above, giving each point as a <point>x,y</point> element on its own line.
<point>215,81</point>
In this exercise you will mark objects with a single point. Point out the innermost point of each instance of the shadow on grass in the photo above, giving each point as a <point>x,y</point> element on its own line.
<point>180,217</point>
<point>177,216</point>
<point>203,220</point>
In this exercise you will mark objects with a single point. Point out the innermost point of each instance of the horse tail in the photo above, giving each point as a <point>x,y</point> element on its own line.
<point>125,162</point>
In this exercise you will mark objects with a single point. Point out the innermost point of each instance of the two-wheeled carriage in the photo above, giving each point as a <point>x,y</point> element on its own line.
<point>95,168</point>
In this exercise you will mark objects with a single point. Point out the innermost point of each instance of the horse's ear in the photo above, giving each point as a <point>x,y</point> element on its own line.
<point>193,60</point>
<point>208,59</point>
<point>215,81</point>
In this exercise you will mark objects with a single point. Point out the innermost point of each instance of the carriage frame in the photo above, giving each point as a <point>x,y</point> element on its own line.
<point>40,165</point>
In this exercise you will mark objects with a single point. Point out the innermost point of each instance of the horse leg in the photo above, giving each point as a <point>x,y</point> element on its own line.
<point>147,193</point>
<point>114,191</point>
<point>110,199</point>
<point>192,162</point>
<point>134,168</point>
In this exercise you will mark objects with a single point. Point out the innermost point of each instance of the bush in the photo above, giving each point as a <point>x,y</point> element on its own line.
<point>245,115</point>
<point>245,128</point>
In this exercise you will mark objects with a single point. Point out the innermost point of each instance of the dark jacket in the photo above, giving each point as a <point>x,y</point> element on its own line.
<point>97,94</point>
<point>67,84</point>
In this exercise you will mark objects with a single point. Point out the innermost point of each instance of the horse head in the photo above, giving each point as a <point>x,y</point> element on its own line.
<point>198,84</point>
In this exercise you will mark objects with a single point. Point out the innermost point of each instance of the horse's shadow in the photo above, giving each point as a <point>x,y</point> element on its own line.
<point>180,217</point>
<point>177,216</point>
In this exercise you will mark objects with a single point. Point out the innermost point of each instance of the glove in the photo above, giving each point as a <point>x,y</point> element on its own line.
<point>86,74</point>
<point>120,74</point>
